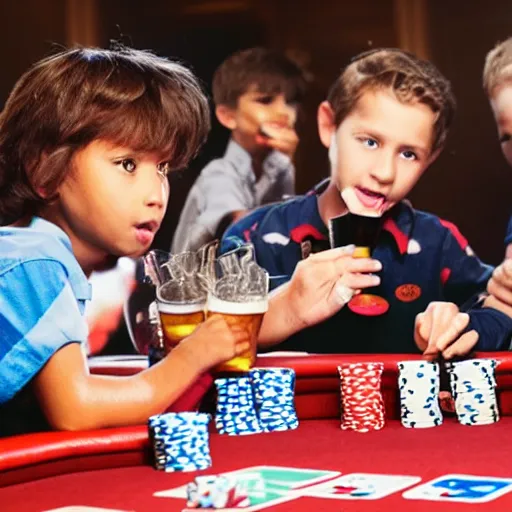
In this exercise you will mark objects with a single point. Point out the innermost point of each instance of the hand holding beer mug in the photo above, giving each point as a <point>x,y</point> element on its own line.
<point>240,295</point>
<point>361,226</point>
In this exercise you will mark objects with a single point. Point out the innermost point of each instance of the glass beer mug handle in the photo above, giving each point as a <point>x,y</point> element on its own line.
<point>153,263</point>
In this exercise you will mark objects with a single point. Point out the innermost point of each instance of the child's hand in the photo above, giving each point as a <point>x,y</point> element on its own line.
<point>323,283</point>
<point>500,288</point>
<point>437,331</point>
<point>214,342</point>
<point>279,137</point>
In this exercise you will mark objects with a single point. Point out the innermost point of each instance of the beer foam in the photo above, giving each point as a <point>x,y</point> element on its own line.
<point>180,308</point>
<point>216,305</point>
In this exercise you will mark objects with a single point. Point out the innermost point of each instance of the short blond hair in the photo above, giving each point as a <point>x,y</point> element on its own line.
<point>498,66</point>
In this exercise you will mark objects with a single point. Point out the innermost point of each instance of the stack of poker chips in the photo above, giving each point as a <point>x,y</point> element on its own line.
<point>180,441</point>
<point>473,388</point>
<point>361,398</point>
<point>236,414</point>
<point>418,382</point>
<point>273,390</point>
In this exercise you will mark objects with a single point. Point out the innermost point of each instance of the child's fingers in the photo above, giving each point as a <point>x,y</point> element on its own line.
<point>362,265</point>
<point>332,254</point>
<point>278,132</point>
<point>452,332</point>
<point>360,281</point>
<point>463,346</point>
<point>242,347</point>
<point>422,329</point>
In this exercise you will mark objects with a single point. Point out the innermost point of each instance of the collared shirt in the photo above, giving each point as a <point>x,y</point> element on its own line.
<point>43,291</point>
<point>424,259</point>
<point>226,185</point>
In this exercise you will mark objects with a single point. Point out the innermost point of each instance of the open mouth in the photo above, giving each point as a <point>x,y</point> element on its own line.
<point>151,226</point>
<point>146,231</point>
<point>370,199</point>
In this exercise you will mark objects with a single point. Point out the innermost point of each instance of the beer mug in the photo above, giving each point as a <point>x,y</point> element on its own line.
<point>180,298</point>
<point>246,316</point>
<point>240,295</point>
<point>179,318</point>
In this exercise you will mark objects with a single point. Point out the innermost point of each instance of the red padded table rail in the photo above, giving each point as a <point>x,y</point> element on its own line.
<point>121,456</point>
<point>316,444</point>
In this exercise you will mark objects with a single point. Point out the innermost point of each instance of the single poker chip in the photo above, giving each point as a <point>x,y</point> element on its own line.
<point>366,304</point>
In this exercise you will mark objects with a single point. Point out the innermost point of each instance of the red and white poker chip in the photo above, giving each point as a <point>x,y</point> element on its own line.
<point>361,399</point>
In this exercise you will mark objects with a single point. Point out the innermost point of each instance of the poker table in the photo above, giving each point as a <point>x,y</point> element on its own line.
<point>111,468</point>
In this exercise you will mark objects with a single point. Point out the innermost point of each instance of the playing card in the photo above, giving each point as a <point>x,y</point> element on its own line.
<point>461,488</point>
<point>361,486</point>
<point>280,484</point>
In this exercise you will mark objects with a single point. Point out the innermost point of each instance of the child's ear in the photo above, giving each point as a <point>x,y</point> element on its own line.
<point>45,192</point>
<point>226,116</point>
<point>326,124</point>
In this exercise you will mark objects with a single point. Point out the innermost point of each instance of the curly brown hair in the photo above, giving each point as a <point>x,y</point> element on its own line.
<point>64,102</point>
<point>498,67</point>
<point>267,70</point>
<point>410,79</point>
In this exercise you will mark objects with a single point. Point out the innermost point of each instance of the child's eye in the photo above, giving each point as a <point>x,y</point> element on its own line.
<point>369,142</point>
<point>164,168</point>
<point>128,164</point>
<point>409,155</point>
<point>265,100</point>
<point>505,137</point>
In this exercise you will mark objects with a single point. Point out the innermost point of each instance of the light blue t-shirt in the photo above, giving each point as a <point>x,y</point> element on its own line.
<point>42,300</point>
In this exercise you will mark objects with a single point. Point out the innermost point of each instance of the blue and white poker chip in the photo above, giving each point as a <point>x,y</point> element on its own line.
<point>418,382</point>
<point>236,414</point>
<point>274,391</point>
<point>262,401</point>
<point>473,386</point>
<point>180,441</point>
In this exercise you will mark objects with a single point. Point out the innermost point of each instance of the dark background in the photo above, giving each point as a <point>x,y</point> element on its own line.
<point>468,185</point>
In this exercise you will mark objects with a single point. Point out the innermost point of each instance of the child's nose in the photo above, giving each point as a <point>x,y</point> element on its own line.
<point>384,169</point>
<point>157,193</point>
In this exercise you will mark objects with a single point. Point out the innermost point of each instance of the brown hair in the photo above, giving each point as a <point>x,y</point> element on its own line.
<point>498,66</point>
<point>128,97</point>
<point>410,78</point>
<point>268,71</point>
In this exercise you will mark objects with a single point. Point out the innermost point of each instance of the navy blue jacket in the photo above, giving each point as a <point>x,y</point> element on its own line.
<point>424,259</point>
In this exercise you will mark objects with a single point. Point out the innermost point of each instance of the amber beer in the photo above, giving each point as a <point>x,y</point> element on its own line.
<point>245,315</point>
<point>179,320</point>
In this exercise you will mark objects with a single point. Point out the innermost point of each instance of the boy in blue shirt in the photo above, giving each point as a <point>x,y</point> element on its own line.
<point>87,138</point>
<point>384,122</point>
<point>256,93</point>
